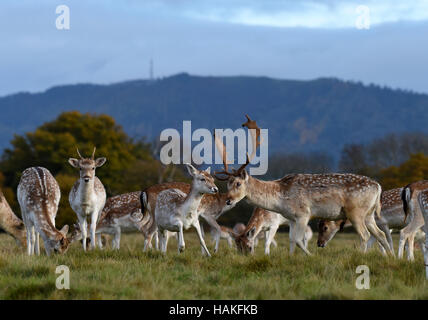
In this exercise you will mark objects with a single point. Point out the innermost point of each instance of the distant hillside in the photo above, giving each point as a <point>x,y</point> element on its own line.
<point>321,114</point>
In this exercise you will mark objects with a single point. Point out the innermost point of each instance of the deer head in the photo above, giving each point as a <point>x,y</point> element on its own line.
<point>237,179</point>
<point>327,230</point>
<point>202,182</point>
<point>87,166</point>
<point>245,240</point>
<point>61,242</point>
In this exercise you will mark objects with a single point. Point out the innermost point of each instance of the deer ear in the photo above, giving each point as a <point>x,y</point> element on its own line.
<point>251,232</point>
<point>208,170</point>
<point>64,230</point>
<point>74,162</point>
<point>100,161</point>
<point>192,170</point>
<point>243,174</point>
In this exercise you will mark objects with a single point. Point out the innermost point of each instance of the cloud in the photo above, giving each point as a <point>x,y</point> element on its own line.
<point>110,42</point>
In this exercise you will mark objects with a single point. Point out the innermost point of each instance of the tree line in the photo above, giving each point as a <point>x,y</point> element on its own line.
<point>393,160</point>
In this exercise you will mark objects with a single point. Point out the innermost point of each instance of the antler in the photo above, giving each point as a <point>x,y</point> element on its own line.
<point>222,149</point>
<point>79,153</point>
<point>250,124</point>
<point>93,153</point>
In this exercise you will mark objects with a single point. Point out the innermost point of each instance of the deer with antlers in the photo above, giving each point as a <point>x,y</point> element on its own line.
<point>88,196</point>
<point>38,196</point>
<point>301,197</point>
<point>10,223</point>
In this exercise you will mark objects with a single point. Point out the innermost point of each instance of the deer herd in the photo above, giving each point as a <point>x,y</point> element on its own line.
<point>338,200</point>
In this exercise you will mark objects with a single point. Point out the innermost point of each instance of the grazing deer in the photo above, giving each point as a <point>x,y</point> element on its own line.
<point>268,222</point>
<point>211,207</point>
<point>38,196</point>
<point>415,197</point>
<point>116,217</point>
<point>413,211</point>
<point>177,211</point>
<point>301,197</point>
<point>88,196</point>
<point>10,223</point>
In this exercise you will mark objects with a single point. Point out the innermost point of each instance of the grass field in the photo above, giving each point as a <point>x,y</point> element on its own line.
<point>131,274</point>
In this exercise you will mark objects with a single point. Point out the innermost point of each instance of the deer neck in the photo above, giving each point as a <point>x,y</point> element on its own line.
<point>264,194</point>
<point>86,190</point>
<point>192,201</point>
<point>214,204</point>
<point>9,221</point>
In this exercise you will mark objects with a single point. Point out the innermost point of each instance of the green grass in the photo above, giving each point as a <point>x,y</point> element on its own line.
<point>131,274</point>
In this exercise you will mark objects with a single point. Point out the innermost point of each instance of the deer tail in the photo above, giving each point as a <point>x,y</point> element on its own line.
<point>406,195</point>
<point>378,206</point>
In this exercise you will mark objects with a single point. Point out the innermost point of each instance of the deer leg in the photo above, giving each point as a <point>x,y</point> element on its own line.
<point>402,242</point>
<point>379,234</point>
<point>162,240</point>
<point>299,233</point>
<point>33,239</point>
<point>360,227</point>
<point>213,223</point>
<point>181,244</point>
<point>197,226</point>
<point>156,240</point>
<point>93,227</point>
<point>84,229</point>
<point>99,241</point>
<point>371,241</point>
<point>291,236</point>
<point>269,237</point>
<point>410,247</point>
<point>116,239</point>
<point>37,248</point>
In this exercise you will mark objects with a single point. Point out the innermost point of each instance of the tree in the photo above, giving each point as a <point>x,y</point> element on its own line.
<point>414,169</point>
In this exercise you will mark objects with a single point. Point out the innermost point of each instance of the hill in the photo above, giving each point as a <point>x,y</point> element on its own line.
<point>321,114</point>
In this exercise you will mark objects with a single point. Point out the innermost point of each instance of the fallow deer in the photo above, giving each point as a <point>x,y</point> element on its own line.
<point>88,196</point>
<point>268,222</point>
<point>10,223</point>
<point>38,196</point>
<point>413,211</point>
<point>415,197</point>
<point>116,217</point>
<point>301,197</point>
<point>177,211</point>
<point>211,207</point>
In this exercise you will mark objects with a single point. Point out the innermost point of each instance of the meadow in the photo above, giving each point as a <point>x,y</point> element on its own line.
<point>330,273</point>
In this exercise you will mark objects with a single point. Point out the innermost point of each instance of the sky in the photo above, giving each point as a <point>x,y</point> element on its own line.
<point>111,41</point>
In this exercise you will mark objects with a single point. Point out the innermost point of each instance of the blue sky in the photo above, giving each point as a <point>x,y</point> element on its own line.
<point>111,41</point>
